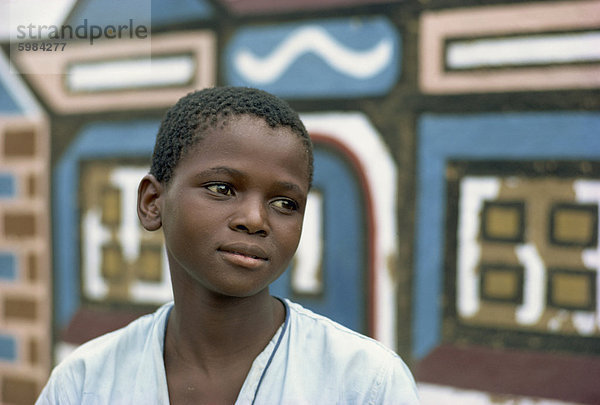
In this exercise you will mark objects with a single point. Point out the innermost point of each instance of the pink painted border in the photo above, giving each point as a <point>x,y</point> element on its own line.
<point>51,87</point>
<point>532,18</point>
<point>39,290</point>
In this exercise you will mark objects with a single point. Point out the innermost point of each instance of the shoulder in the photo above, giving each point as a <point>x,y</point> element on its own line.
<point>312,325</point>
<point>125,338</point>
<point>90,364</point>
<point>364,366</point>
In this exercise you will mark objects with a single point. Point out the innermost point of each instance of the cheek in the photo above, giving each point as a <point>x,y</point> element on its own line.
<point>288,240</point>
<point>187,228</point>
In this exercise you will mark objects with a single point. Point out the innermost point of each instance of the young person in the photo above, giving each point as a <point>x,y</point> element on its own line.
<point>228,185</point>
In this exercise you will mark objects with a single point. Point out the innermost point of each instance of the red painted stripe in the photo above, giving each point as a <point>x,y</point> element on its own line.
<point>279,6</point>
<point>517,372</point>
<point>324,139</point>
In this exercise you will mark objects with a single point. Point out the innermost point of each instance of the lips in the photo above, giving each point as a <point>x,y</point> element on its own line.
<point>244,254</point>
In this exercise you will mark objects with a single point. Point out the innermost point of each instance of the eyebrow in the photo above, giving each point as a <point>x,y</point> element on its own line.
<point>289,186</point>
<point>286,185</point>
<point>220,170</point>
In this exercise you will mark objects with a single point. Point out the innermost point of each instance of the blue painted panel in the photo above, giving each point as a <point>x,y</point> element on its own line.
<point>97,140</point>
<point>8,105</point>
<point>15,97</point>
<point>144,12</point>
<point>8,266</point>
<point>180,11</point>
<point>8,348</point>
<point>344,262</point>
<point>523,136</point>
<point>8,187</point>
<point>324,59</point>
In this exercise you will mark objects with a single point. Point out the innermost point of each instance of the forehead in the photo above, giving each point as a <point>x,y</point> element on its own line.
<point>250,140</point>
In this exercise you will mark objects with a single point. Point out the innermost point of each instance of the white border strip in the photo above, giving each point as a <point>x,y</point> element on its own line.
<point>354,130</point>
<point>524,50</point>
<point>131,74</point>
<point>432,394</point>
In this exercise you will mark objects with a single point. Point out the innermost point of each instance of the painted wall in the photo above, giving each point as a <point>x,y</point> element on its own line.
<point>25,250</point>
<point>455,212</point>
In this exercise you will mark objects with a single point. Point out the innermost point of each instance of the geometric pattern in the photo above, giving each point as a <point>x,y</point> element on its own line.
<point>484,28</point>
<point>510,273</point>
<point>324,58</point>
<point>25,259</point>
<point>194,49</point>
<point>508,142</point>
<point>25,270</point>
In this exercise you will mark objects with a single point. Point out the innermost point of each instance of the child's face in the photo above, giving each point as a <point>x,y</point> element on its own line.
<point>232,213</point>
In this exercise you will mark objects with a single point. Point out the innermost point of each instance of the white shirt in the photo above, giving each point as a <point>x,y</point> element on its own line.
<point>310,360</point>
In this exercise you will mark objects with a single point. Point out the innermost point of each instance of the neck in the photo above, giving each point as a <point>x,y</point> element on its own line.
<point>210,330</point>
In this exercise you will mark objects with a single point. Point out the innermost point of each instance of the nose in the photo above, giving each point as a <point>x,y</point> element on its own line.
<point>251,217</point>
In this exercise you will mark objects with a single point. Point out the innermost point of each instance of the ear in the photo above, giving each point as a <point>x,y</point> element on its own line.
<point>148,203</point>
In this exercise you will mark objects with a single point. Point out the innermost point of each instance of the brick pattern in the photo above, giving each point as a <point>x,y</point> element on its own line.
<point>25,261</point>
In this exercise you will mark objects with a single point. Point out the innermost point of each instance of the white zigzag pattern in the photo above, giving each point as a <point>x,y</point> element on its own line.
<point>360,65</point>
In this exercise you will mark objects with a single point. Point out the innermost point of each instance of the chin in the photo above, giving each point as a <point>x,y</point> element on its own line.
<point>239,292</point>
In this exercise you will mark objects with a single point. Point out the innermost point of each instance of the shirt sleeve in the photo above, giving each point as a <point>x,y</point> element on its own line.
<point>396,386</point>
<point>63,387</point>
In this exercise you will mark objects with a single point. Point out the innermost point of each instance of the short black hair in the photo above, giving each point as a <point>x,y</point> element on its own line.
<point>185,123</point>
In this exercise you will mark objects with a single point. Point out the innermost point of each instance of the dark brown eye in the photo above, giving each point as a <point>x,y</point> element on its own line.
<point>220,188</point>
<point>285,204</point>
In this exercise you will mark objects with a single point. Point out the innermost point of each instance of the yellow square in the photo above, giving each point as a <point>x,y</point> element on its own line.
<point>571,290</point>
<point>500,284</point>
<point>111,206</point>
<point>112,261</point>
<point>149,264</point>
<point>503,222</point>
<point>576,226</point>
